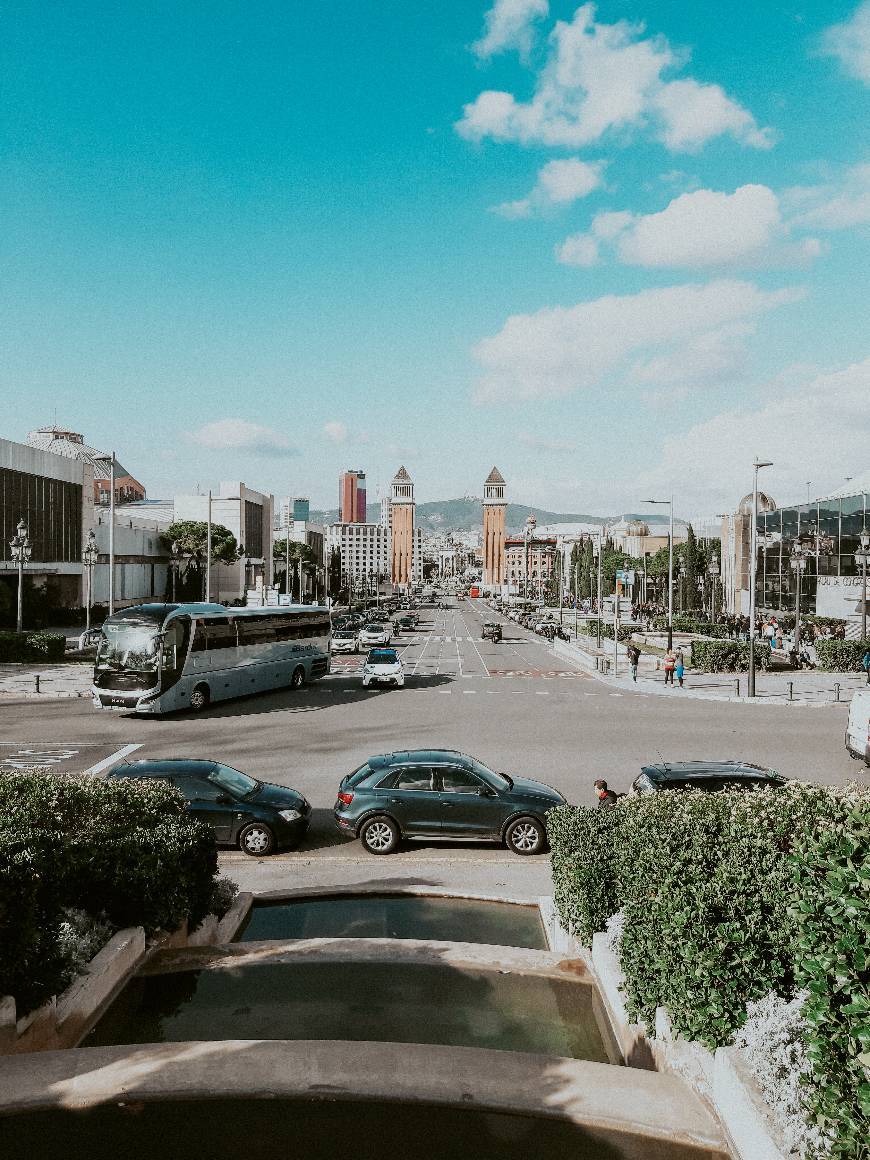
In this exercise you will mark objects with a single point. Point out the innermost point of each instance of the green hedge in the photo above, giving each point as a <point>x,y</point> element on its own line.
<point>590,628</point>
<point>832,913</point>
<point>32,646</point>
<point>691,624</point>
<point>727,897</point>
<point>728,656</point>
<point>123,849</point>
<point>841,656</point>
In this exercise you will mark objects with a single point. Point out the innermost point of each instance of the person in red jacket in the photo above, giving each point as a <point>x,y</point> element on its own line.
<point>606,797</point>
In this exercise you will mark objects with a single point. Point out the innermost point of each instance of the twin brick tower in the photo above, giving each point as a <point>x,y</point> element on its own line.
<point>402,528</point>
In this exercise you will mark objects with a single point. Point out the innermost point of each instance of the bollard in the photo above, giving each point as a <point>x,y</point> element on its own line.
<point>737,684</point>
<point>791,690</point>
<point>837,691</point>
<point>37,682</point>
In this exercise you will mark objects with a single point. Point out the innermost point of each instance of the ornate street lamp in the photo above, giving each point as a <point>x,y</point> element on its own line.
<point>681,573</point>
<point>713,571</point>
<point>862,558</point>
<point>798,564</point>
<point>89,559</point>
<point>21,553</point>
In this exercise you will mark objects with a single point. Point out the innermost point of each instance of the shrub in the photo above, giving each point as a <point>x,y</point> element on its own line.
<point>841,656</point>
<point>590,628</point>
<point>33,646</point>
<point>728,656</point>
<point>584,847</point>
<point>832,913</point>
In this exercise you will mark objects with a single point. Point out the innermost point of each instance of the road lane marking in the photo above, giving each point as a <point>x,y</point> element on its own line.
<point>112,759</point>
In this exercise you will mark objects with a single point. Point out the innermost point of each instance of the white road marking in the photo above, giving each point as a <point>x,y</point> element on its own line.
<point>546,692</point>
<point>483,663</point>
<point>469,692</point>
<point>112,759</point>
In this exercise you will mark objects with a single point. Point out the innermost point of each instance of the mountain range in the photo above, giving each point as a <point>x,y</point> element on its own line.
<point>463,515</point>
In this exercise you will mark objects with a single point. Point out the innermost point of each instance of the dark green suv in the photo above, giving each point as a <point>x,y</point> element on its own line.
<point>439,793</point>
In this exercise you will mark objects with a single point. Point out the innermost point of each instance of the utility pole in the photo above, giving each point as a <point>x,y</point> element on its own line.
<point>208,553</point>
<point>753,562</point>
<point>112,534</point>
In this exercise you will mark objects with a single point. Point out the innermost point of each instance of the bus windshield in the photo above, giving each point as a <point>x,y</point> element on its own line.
<point>129,646</point>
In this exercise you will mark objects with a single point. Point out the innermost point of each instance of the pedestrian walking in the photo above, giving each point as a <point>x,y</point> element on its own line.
<point>865,664</point>
<point>633,660</point>
<point>606,797</point>
<point>679,667</point>
<point>670,665</point>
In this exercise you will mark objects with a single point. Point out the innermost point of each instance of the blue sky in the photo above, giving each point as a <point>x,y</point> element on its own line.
<point>611,249</point>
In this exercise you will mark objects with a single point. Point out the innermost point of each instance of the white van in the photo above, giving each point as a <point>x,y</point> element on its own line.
<point>858,729</point>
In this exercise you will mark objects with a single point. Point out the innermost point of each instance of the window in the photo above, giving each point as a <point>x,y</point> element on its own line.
<point>195,789</point>
<point>219,633</point>
<point>415,777</point>
<point>255,630</point>
<point>457,780</point>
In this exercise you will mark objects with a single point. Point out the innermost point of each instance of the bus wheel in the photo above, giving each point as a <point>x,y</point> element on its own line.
<point>200,698</point>
<point>298,678</point>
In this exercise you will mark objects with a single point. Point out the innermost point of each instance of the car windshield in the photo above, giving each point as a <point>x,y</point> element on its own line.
<point>383,656</point>
<point>232,780</point>
<point>497,780</point>
<point>129,646</point>
<point>343,635</point>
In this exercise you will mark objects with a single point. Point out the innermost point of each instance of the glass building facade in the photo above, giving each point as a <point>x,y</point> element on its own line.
<point>52,511</point>
<point>827,529</point>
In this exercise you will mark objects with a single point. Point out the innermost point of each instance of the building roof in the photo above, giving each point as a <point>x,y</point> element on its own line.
<point>765,504</point>
<point>495,476</point>
<point>71,445</point>
<point>401,476</point>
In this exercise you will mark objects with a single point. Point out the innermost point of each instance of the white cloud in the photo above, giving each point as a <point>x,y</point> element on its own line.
<point>835,205</point>
<point>541,443</point>
<point>578,250</point>
<point>560,183</point>
<point>335,431</point>
<point>240,435</point>
<point>850,42</point>
<point>559,350</point>
<point>509,24</point>
<point>602,78</point>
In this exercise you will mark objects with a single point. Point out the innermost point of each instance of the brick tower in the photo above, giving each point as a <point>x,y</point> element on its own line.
<point>402,523</point>
<point>494,509</point>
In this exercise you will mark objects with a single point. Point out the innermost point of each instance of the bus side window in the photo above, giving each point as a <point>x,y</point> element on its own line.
<point>220,633</point>
<point>199,638</point>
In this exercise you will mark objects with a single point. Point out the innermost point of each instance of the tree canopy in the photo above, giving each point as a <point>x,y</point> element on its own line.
<point>191,537</point>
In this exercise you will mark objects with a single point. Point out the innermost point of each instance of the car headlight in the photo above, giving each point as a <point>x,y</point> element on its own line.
<point>290,815</point>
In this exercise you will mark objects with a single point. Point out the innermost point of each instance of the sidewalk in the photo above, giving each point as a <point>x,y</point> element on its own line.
<point>771,688</point>
<point>31,680</point>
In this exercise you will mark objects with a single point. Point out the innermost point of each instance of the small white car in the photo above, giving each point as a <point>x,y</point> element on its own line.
<point>383,667</point>
<point>344,640</point>
<point>374,634</point>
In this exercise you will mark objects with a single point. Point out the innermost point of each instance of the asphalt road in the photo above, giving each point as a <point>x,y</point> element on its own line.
<point>513,704</point>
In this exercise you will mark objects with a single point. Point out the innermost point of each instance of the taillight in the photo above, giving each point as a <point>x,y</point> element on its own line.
<point>345,798</point>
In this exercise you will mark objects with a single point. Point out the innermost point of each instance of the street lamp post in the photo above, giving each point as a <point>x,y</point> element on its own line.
<point>21,553</point>
<point>713,569</point>
<point>89,559</point>
<point>753,564</point>
<point>670,503</point>
<point>798,563</point>
<point>597,553</point>
<point>862,557</point>
<point>682,575</point>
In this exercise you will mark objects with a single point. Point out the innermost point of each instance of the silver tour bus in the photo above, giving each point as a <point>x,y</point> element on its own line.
<point>156,658</point>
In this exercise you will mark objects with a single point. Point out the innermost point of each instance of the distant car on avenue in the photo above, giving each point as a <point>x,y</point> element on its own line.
<point>375,634</point>
<point>256,816</point>
<point>442,794</point>
<point>383,666</point>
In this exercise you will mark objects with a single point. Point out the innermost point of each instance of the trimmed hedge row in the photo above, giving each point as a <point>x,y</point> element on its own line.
<point>728,656</point>
<point>726,897</point>
<point>841,656</point>
<point>125,850</point>
<point>590,628</point>
<point>32,646</point>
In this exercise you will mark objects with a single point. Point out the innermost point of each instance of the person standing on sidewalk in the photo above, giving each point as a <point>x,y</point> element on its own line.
<point>606,797</point>
<point>670,665</point>
<point>679,666</point>
<point>633,660</point>
<point>865,664</point>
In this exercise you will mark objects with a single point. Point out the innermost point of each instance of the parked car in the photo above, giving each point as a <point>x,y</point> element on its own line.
<point>707,775</point>
<point>858,728</point>
<point>344,640</point>
<point>439,793</point>
<point>256,816</point>
<point>383,667</point>
<point>375,634</point>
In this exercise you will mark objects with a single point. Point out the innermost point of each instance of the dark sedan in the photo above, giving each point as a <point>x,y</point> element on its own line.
<point>706,775</point>
<point>438,793</point>
<point>256,816</point>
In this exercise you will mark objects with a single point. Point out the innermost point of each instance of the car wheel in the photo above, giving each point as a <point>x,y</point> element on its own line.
<point>199,698</point>
<point>256,840</point>
<point>525,836</point>
<point>380,835</point>
<point>298,678</point>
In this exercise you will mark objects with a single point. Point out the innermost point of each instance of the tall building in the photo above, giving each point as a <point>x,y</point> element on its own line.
<point>402,525</point>
<point>364,552</point>
<point>352,497</point>
<point>494,509</point>
<point>71,445</point>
